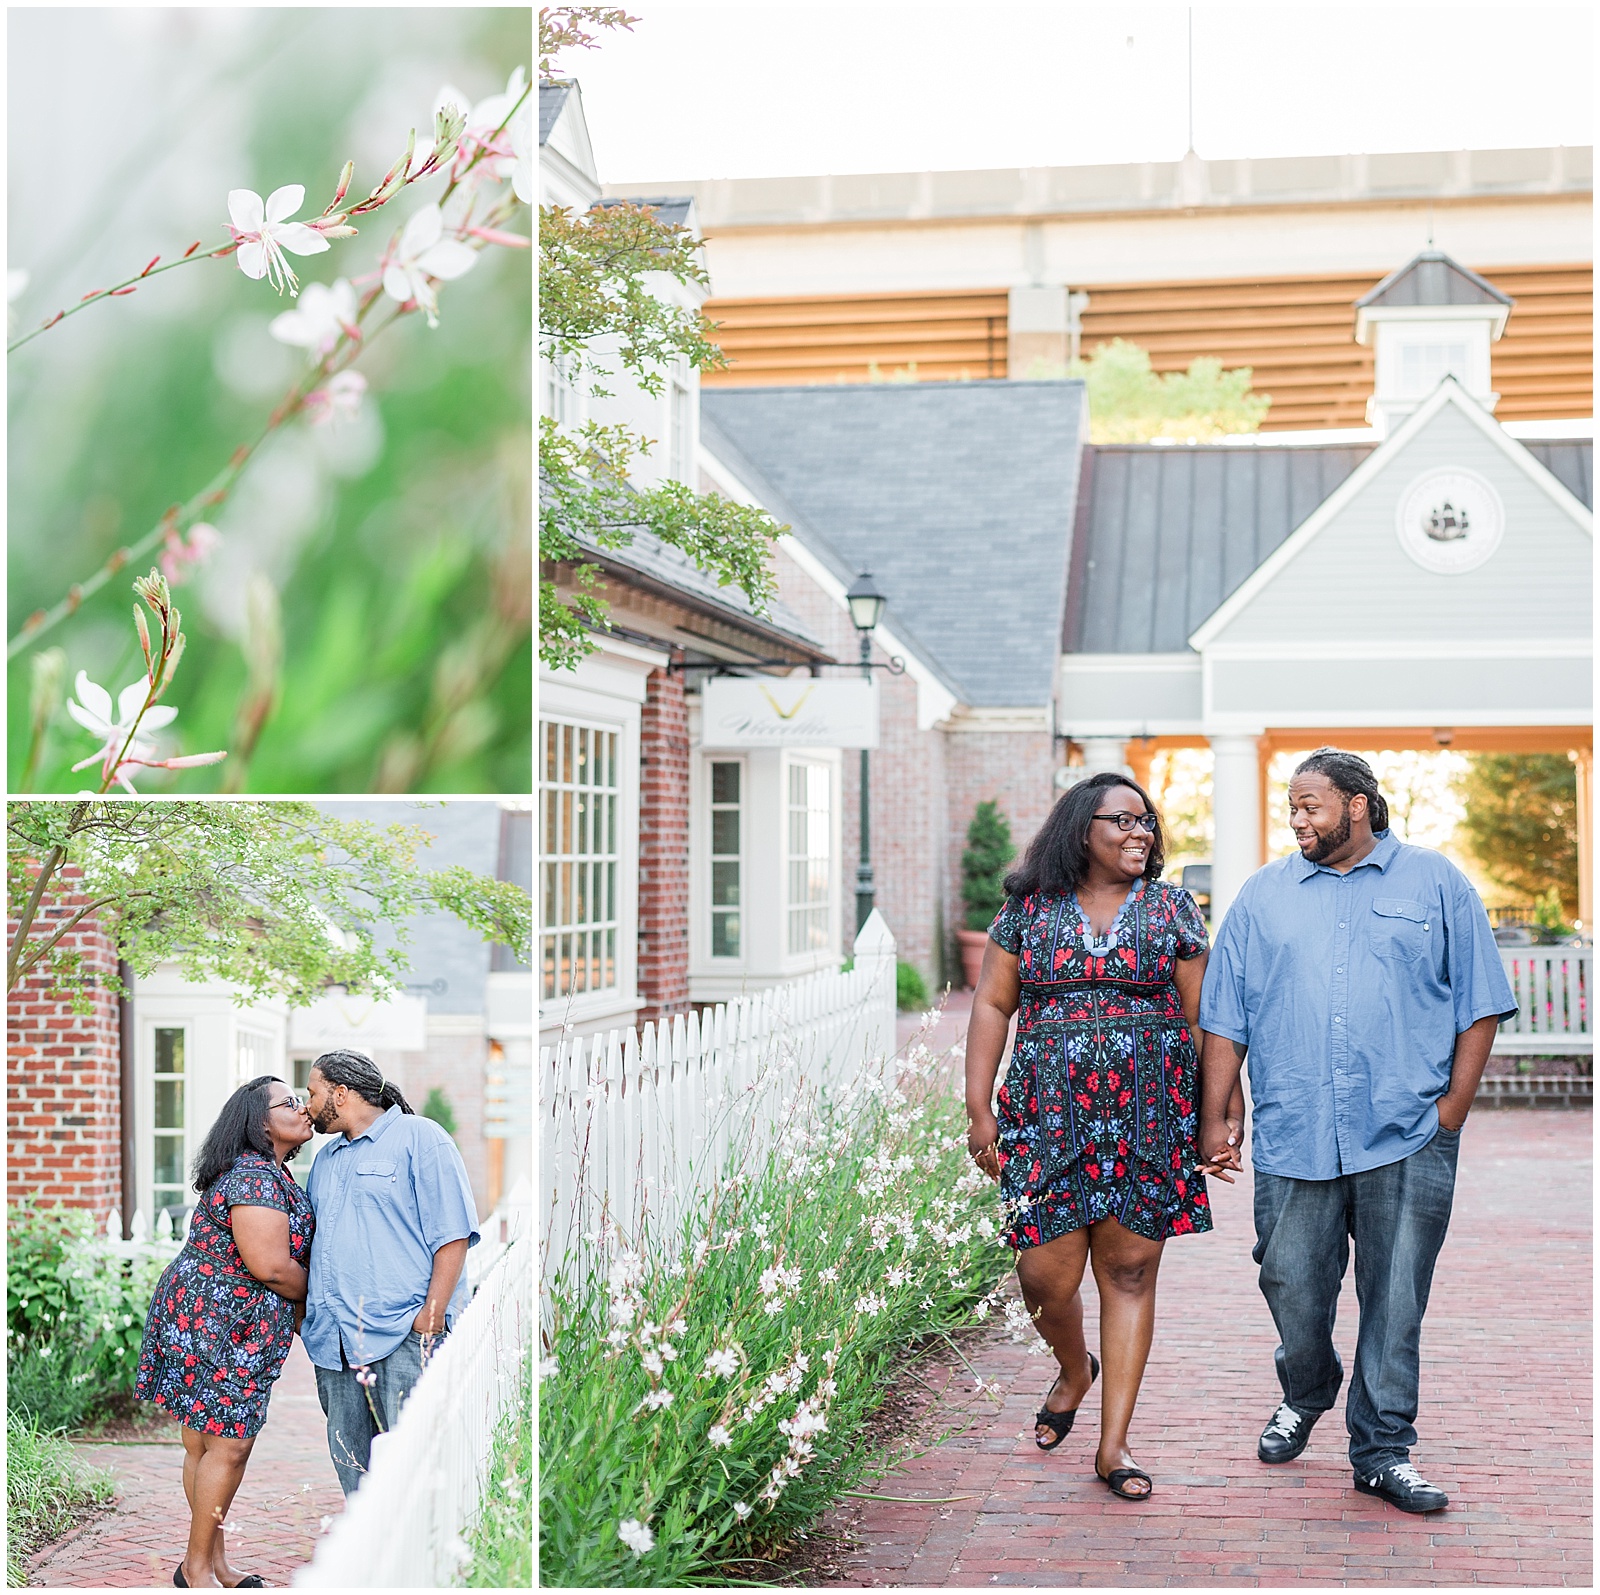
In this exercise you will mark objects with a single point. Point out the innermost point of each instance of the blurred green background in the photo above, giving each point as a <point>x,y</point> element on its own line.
<point>399,546</point>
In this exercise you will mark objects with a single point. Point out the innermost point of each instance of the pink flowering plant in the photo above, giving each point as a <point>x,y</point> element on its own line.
<point>707,1390</point>
<point>390,253</point>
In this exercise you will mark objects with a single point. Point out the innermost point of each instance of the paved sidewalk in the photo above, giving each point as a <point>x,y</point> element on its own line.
<point>1504,1421</point>
<point>288,1488</point>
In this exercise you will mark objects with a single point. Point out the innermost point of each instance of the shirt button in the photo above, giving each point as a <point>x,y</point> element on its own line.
<point>1341,924</point>
<point>1338,969</point>
<point>1338,1018</point>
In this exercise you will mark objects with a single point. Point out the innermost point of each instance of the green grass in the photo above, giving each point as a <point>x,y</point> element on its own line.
<point>884,1236</point>
<point>502,1538</point>
<point>47,1491</point>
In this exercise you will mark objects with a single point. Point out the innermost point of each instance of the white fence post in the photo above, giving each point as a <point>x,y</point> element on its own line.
<point>875,958</point>
<point>1554,990</point>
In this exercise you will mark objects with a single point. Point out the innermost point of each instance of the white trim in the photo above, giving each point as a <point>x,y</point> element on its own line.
<point>1023,718</point>
<point>1579,428</point>
<point>1461,648</point>
<point>1104,664</point>
<point>1450,392</point>
<point>1377,315</point>
<point>935,700</point>
<point>1231,723</point>
<point>1077,730</point>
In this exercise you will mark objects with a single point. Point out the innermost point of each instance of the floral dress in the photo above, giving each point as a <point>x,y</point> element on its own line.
<point>216,1338</point>
<point>1099,1106</point>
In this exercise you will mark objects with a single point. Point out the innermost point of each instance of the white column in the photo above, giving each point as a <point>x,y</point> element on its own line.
<point>1236,812</point>
<point>1103,753</point>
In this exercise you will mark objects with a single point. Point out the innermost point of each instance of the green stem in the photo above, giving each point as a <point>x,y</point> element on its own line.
<point>105,293</point>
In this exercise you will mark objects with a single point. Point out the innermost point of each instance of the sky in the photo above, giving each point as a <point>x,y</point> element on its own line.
<point>764,89</point>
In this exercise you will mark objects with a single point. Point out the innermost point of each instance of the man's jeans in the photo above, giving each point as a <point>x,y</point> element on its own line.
<point>1398,1215</point>
<point>353,1419</point>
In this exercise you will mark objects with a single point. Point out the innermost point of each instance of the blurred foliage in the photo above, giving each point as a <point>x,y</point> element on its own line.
<point>398,653</point>
<point>1521,824</point>
<point>988,855</point>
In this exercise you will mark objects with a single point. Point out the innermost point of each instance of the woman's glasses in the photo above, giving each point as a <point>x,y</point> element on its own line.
<point>1126,822</point>
<point>289,1102</point>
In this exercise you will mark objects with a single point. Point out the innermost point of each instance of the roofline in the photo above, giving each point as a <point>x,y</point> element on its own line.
<point>1450,392</point>
<point>936,384</point>
<point>1455,265</point>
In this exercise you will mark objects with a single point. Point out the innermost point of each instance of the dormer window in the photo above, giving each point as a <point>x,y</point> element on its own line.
<point>1423,366</point>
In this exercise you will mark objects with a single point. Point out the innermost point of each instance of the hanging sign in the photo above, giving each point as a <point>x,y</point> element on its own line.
<point>788,712</point>
<point>364,1024</point>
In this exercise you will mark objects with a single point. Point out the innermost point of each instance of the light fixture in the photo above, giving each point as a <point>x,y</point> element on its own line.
<point>865,601</point>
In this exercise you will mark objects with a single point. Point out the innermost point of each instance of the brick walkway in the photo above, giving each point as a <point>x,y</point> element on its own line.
<point>1504,1422</point>
<point>288,1488</point>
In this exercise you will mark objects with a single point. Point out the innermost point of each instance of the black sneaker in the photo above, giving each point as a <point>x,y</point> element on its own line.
<point>1401,1485</point>
<point>1285,1437</point>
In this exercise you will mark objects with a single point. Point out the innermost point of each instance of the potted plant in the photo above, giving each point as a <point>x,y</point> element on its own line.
<point>983,869</point>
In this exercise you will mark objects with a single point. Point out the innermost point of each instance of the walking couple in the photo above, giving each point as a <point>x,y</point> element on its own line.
<point>1362,981</point>
<point>365,1264</point>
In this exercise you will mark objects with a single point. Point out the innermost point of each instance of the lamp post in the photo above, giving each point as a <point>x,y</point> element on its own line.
<point>866,606</point>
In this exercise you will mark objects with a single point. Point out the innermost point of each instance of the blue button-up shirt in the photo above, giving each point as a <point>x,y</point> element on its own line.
<point>1349,991</point>
<point>385,1201</point>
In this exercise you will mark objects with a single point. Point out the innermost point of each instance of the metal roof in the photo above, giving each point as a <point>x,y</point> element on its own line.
<point>1433,278</point>
<point>674,210</point>
<point>1570,461</point>
<point>958,496</point>
<point>1165,533</point>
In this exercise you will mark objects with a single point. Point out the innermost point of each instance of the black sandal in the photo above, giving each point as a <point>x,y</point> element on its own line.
<point>1121,1477</point>
<point>1060,1423</point>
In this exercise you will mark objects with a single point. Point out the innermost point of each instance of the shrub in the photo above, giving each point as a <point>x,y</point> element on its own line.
<point>714,1397</point>
<point>983,865</point>
<point>75,1315</point>
<point>438,1108</point>
<point>910,989</point>
<point>47,1490</point>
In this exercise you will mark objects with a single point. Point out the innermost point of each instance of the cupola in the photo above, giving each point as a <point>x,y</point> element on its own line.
<point>1430,319</point>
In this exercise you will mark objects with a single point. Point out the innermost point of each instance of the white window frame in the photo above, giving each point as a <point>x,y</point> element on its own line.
<point>615,921</point>
<point>706,909</point>
<point>146,1143</point>
<point>829,906</point>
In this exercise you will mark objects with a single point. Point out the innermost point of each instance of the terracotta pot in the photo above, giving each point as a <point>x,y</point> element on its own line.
<point>972,944</point>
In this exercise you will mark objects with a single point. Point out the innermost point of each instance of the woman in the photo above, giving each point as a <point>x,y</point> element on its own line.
<point>1101,960</point>
<point>226,1309</point>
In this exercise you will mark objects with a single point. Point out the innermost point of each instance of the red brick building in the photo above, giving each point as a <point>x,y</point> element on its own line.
<point>63,1079</point>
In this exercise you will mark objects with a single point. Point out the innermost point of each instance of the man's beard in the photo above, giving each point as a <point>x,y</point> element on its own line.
<point>322,1122</point>
<point>1333,841</point>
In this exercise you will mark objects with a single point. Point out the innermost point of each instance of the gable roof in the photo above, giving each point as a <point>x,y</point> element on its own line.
<point>1449,392</point>
<point>1432,278</point>
<point>1570,461</point>
<point>1165,533</point>
<point>552,97</point>
<point>958,496</point>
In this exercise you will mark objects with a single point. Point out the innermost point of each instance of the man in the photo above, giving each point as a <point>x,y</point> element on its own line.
<point>394,1218</point>
<point>1363,981</point>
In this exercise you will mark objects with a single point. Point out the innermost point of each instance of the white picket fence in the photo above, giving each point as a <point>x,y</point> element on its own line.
<point>1554,988</point>
<point>636,1125</point>
<point>404,1528</point>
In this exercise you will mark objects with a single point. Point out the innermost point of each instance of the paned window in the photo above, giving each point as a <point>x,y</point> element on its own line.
<point>810,857</point>
<point>167,1128</point>
<point>578,820</point>
<point>1423,366</point>
<point>726,858</point>
<point>256,1056</point>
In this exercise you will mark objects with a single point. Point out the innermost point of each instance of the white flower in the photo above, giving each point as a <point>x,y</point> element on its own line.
<point>93,712</point>
<point>548,1369</point>
<point>721,1364</point>
<point>655,1400</point>
<point>760,1229</point>
<point>264,231</point>
<point>741,1511</point>
<point>771,1280</point>
<point>828,1276</point>
<point>897,1277</point>
<point>869,1304</point>
<point>424,252</point>
<point>320,316</point>
<point>635,1535</point>
<point>719,1437</point>
<point>652,1362</point>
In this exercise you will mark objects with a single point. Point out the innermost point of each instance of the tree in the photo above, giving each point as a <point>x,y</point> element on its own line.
<point>1130,403</point>
<point>600,315</point>
<point>983,864</point>
<point>1521,823</point>
<point>438,1108</point>
<point>278,899</point>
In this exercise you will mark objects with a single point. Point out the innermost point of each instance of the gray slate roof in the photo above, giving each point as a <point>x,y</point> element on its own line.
<point>1165,533</point>
<point>958,496</point>
<point>1433,278</point>
<point>552,96</point>
<point>1570,461</point>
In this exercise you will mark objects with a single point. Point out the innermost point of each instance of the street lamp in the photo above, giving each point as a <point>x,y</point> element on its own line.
<point>866,606</point>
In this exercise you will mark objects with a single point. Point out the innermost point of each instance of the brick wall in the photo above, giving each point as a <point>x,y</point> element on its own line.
<point>63,1101</point>
<point>663,848</point>
<point>907,792</point>
<point>1016,768</point>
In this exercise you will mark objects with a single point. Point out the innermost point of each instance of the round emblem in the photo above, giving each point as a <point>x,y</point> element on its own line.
<point>1450,521</point>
